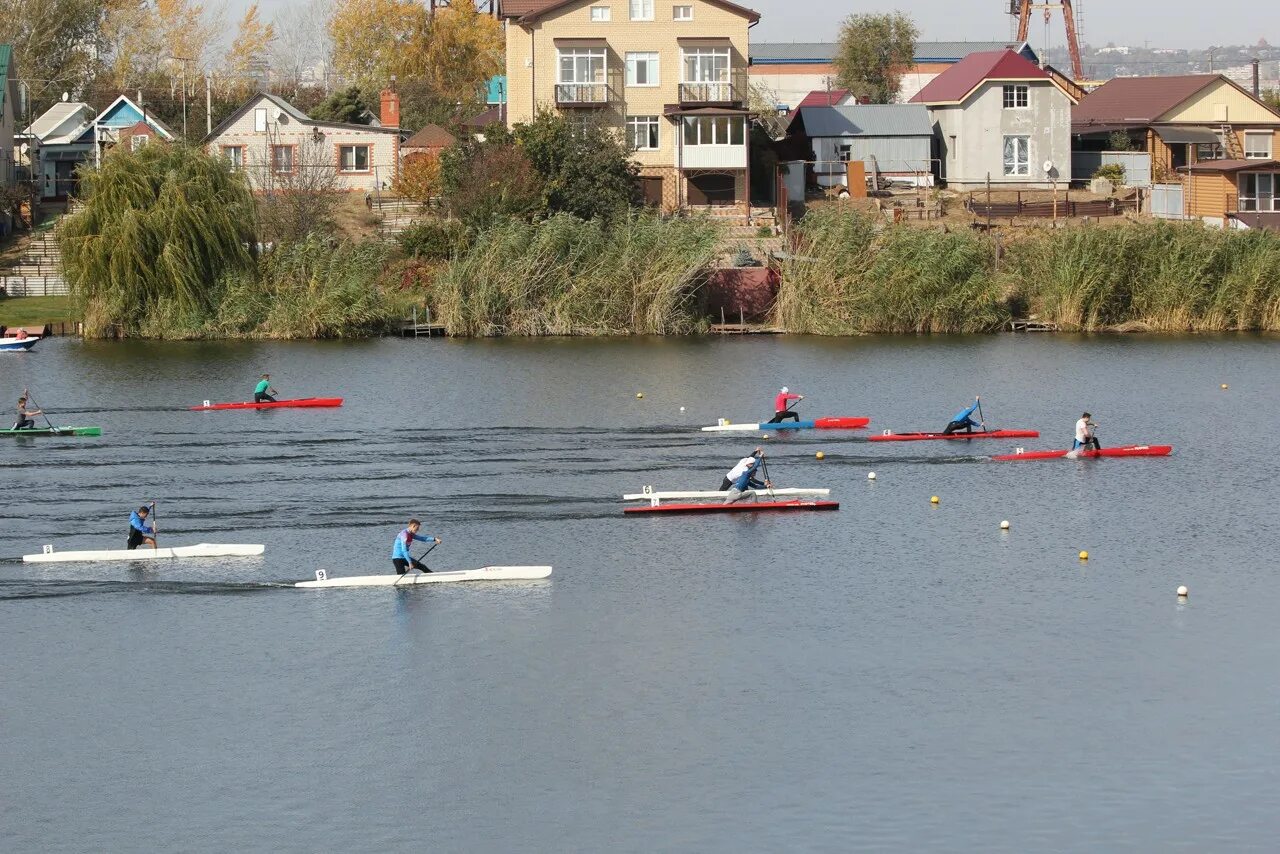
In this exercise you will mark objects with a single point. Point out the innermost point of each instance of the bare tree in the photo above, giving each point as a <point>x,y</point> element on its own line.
<point>301,52</point>
<point>300,196</point>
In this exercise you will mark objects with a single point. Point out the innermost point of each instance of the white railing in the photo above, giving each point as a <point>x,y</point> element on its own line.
<point>582,93</point>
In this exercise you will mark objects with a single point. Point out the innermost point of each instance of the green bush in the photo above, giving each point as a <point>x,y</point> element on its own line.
<point>433,239</point>
<point>1113,172</point>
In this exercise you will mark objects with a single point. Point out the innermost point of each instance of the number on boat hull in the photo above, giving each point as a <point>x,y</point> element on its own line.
<point>321,575</point>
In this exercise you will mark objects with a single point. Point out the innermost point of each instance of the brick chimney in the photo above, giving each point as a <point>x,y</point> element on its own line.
<point>389,115</point>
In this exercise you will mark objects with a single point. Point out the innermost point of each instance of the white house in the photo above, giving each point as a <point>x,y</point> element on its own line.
<point>277,143</point>
<point>999,117</point>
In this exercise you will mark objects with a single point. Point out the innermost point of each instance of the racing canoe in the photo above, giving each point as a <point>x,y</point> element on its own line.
<point>144,553</point>
<point>815,424</point>
<point>654,497</point>
<point>743,506</point>
<point>300,403</point>
<point>1122,451</point>
<point>484,573</point>
<point>889,436</point>
<point>55,431</point>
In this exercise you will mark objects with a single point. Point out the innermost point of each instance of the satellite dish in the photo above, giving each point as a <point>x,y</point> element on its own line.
<point>66,96</point>
<point>280,115</point>
<point>1048,166</point>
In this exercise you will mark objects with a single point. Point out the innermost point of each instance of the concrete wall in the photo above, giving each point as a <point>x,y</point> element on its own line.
<point>791,83</point>
<point>971,136</point>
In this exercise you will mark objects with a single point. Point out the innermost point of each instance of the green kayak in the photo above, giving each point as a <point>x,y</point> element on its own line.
<point>55,431</point>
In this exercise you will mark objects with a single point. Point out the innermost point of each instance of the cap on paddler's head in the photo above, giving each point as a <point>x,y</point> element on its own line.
<point>785,389</point>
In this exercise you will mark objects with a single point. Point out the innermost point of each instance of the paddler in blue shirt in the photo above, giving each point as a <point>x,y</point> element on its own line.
<point>743,477</point>
<point>401,558</point>
<point>140,533</point>
<point>964,420</point>
<point>262,392</point>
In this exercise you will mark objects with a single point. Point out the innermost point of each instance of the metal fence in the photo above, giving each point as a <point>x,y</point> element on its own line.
<point>1137,165</point>
<point>1167,201</point>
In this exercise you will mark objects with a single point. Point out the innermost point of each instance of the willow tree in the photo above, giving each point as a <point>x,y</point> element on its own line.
<point>159,229</point>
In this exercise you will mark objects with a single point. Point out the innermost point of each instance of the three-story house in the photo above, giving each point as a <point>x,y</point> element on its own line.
<point>668,75</point>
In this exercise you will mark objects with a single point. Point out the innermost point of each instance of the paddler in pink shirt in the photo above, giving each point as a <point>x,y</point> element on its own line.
<point>781,406</point>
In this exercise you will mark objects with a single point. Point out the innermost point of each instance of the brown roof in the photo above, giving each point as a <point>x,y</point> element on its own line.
<point>1230,165</point>
<point>1138,100</point>
<point>431,136</point>
<point>531,10</point>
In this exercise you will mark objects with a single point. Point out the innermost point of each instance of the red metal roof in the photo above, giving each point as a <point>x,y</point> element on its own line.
<point>529,10</point>
<point>957,82</point>
<point>824,98</point>
<point>1138,100</point>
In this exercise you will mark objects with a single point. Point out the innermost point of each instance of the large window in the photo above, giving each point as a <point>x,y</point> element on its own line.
<point>1017,155</point>
<point>582,76</point>
<point>282,158</point>
<point>706,75</point>
<point>1015,97</point>
<point>1257,146</point>
<point>353,158</point>
<point>642,10</point>
<point>1258,192</point>
<point>642,132</point>
<point>713,130</point>
<point>642,69</point>
<point>260,120</point>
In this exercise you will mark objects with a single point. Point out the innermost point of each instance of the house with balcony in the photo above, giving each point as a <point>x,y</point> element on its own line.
<point>669,75</point>
<point>278,145</point>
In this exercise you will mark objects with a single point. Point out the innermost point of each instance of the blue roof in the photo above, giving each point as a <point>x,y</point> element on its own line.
<point>867,120</point>
<point>6,60</point>
<point>496,89</point>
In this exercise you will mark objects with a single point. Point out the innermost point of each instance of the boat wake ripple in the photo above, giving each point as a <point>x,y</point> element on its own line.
<point>44,589</point>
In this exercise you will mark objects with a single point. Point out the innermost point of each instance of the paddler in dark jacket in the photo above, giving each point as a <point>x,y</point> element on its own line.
<point>964,420</point>
<point>24,421</point>
<point>140,533</point>
<point>262,392</point>
<point>401,558</point>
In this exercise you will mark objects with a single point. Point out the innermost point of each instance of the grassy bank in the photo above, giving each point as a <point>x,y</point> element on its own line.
<point>564,276</point>
<point>35,311</point>
<point>852,274</point>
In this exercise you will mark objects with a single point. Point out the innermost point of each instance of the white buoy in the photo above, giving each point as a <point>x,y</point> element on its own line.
<point>682,409</point>
<point>871,475</point>
<point>1004,526</point>
<point>1182,591</point>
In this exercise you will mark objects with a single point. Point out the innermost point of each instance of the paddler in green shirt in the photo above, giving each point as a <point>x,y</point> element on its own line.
<point>263,391</point>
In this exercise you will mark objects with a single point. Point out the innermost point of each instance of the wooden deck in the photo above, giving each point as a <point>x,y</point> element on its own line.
<point>1033,326</point>
<point>746,329</point>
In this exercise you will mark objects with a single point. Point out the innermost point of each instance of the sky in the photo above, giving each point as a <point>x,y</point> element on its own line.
<point>1160,23</point>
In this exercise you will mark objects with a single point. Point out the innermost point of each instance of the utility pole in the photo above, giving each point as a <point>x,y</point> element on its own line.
<point>184,60</point>
<point>208,106</point>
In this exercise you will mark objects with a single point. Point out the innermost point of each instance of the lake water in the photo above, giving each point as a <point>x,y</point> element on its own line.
<point>892,676</point>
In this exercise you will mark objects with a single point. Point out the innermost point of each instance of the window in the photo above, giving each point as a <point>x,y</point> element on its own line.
<point>234,155</point>
<point>642,69</point>
<point>581,76</point>
<point>1257,146</point>
<point>1208,151</point>
<point>844,151</point>
<point>282,158</point>
<point>1017,155</point>
<point>642,132</point>
<point>601,14</point>
<point>682,13</point>
<point>138,140</point>
<point>642,10</point>
<point>1258,192</point>
<point>353,158</point>
<point>706,75</point>
<point>1015,97</point>
<point>260,120</point>
<point>713,130</point>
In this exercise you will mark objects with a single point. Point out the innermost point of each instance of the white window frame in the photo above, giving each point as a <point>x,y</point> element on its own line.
<point>1258,153</point>
<point>275,161</point>
<point>260,120</point>
<point>652,128</point>
<point>601,14</point>
<point>652,70</point>
<point>844,151</point>
<point>590,54</point>
<point>1257,200</point>
<point>641,10</point>
<point>1019,167</point>
<point>354,169</point>
<point>138,141</point>
<point>235,161</point>
<point>682,12</point>
<point>1015,96</point>
<point>719,131</point>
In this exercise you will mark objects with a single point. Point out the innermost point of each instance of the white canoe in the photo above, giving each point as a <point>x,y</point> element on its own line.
<point>145,553</point>
<point>484,573</point>
<point>789,492</point>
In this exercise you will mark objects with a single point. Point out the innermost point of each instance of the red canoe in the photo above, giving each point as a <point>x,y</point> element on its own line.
<point>985,434</point>
<point>301,403</point>
<point>740,507</point>
<point>1122,451</point>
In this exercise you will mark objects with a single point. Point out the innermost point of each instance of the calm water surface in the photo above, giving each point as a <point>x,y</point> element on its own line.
<point>894,676</point>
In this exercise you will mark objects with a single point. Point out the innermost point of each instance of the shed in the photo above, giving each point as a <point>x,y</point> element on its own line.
<point>897,137</point>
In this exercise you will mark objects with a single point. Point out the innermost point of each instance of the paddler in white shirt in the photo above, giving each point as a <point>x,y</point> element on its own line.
<point>1085,437</point>
<point>742,477</point>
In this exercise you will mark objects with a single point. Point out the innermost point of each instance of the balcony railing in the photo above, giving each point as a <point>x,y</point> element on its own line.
<point>583,94</point>
<point>731,91</point>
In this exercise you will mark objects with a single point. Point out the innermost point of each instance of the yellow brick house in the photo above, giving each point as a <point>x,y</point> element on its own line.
<point>669,75</point>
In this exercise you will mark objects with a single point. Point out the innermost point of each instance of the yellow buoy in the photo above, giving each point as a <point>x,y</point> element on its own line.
<point>934,500</point>
<point>639,395</point>
<point>1084,555</point>
<point>820,455</point>
<point>1182,591</point>
<point>1004,526</point>
<point>1224,385</point>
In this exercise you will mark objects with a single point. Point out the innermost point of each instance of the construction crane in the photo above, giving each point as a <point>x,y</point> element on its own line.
<point>1022,10</point>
